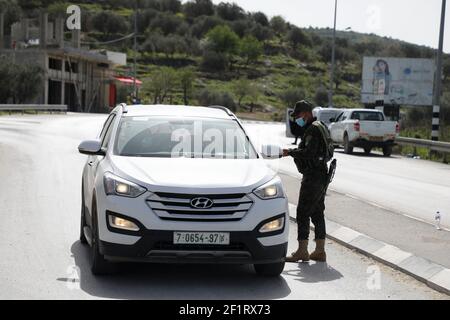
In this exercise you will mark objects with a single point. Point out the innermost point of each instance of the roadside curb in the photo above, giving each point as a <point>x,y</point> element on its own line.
<point>432,274</point>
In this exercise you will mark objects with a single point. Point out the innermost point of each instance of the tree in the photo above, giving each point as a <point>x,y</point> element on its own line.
<point>197,8</point>
<point>243,88</point>
<point>109,23</point>
<point>12,13</point>
<point>207,97</point>
<point>203,24</point>
<point>230,11</point>
<point>261,19</point>
<point>261,33</point>
<point>28,82</point>
<point>187,84</point>
<point>160,85</point>
<point>291,95</point>
<point>19,82</point>
<point>166,22</point>
<point>278,25</point>
<point>321,97</point>
<point>223,41</point>
<point>251,49</point>
<point>297,37</point>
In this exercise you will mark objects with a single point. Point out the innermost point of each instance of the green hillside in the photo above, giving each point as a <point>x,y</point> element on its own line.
<point>200,53</point>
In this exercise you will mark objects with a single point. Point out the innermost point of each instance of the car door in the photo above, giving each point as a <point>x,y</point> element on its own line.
<point>92,163</point>
<point>334,128</point>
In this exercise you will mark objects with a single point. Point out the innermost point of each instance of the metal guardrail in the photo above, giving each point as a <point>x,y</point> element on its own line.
<point>432,145</point>
<point>35,107</point>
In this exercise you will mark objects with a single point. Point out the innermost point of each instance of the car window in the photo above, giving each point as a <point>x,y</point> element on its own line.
<point>174,137</point>
<point>367,116</point>
<point>339,117</point>
<point>106,138</point>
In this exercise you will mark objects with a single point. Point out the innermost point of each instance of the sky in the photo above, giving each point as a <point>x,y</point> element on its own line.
<point>415,21</point>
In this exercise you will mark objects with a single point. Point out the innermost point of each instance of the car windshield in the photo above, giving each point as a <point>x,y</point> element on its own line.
<point>367,116</point>
<point>175,137</point>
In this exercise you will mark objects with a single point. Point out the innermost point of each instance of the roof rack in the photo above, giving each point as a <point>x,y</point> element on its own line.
<point>228,111</point>
<point>124,107</point>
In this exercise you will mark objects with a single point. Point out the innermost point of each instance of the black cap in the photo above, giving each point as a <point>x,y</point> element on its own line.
<point>302,106</point>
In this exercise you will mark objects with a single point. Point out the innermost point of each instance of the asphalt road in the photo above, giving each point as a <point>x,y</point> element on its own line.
<point>42,258</point>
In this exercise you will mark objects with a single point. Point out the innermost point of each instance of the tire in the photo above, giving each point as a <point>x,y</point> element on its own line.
<point>99,266</point>
<point>269,269</point>
<point>367,150</point>
<point>387,151</point>
<point>348,148</point>
<point>83,239</point>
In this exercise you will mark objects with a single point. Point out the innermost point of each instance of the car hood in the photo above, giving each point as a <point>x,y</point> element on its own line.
<point>194,175</point>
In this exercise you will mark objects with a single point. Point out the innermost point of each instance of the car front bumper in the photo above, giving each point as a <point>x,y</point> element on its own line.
<point>156,246</point>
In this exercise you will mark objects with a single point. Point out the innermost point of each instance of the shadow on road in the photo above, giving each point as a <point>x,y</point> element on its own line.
<point>314,272</point>
<point>177,281</point>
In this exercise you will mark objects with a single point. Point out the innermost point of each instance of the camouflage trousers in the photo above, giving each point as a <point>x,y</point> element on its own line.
<point>311,205</point>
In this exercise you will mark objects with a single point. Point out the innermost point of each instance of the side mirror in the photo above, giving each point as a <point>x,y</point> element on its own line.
<point>332,120</point>
<point>271,152</point>
<point>91,148</point>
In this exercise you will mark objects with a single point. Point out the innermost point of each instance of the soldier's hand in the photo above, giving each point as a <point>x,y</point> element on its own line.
<point>285,152</point>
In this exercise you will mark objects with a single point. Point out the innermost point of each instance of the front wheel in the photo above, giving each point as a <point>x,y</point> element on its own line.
<point>83,239</point>
<point>99,265</point>
<point>387,151</point>
<point>270,269</point>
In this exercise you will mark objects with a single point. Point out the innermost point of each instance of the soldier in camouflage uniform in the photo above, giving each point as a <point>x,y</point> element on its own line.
<point>310,161</point>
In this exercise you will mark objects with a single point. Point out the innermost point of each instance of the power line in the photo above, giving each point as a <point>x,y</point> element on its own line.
<point>110,41</point>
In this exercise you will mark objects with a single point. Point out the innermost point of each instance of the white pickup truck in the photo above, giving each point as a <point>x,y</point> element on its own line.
<point>364,128</point>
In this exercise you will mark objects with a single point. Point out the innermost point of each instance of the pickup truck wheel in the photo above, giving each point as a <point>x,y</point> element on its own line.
<point>367,150</point>
<point>387,151</point>
<point>348,148</point>
<point>269,269</point>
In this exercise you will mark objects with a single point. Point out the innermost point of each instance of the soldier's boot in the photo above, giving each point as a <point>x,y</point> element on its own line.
<point>301,254</point>
<point>319,253</point>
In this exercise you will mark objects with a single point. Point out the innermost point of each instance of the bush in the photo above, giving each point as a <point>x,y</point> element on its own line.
<point>224,40</point>
<point>213,61</point>
<point>208,97</point>
<point>321,97</point>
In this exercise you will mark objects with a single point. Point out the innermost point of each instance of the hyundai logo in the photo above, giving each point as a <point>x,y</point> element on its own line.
<point>202,203</point>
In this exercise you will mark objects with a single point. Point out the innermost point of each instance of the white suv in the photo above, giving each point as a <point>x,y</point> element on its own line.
<point>178,184</point>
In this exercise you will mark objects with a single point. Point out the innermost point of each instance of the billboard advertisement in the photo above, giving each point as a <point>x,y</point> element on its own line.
<point>400,81</point>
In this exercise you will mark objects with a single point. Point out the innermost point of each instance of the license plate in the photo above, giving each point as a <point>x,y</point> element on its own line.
<point>219,238</point>
<point>376,138</point>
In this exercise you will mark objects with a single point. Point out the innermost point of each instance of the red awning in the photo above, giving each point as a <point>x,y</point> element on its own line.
<point>128,80</point>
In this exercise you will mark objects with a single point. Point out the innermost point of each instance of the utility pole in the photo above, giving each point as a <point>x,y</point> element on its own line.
<point>333,59</point>
<point>438,84</point>
<point>135,50</point>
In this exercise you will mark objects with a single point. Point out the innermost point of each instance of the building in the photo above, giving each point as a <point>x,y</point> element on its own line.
<point>82,79</point>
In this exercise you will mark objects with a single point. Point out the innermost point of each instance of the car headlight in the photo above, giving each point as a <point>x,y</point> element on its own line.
<point>271,190</point>
<point>273,225</point>
<point>117,186</point>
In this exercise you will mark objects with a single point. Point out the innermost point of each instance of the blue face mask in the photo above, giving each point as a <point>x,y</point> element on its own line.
<point>300,122</point>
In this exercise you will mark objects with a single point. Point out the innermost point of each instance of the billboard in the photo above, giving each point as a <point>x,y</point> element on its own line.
<point>401,81</point>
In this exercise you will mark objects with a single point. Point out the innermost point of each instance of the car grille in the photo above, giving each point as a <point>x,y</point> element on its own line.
<point>176,206</point>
